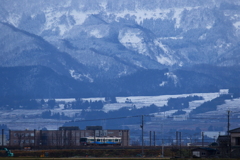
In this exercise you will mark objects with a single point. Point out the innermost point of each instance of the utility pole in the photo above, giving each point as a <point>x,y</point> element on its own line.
<point>202,139</point>
<point>228,124</point>
<point>2,137</point>
<point>228,133</point>
<point>150,138</point>
<point>162,147</point>
<point>180,139</point>
<point>154,136</point>
<point>176,138</point>
<point>162,142</point>
<point>142,135</point>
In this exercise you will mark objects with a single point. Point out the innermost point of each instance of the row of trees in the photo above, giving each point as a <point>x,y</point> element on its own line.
<point>9,103</point>
<point>83,104</point>
<point>49,115</point>
<point>179,103</point>
<point>211,105</point>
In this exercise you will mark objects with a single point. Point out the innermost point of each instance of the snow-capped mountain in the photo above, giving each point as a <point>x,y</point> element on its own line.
<point>106,39</point>
<point>167,33</point>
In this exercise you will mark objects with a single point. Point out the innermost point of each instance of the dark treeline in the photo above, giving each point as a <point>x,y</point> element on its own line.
<point>49,115</point>
<point>179,103</point>
<point>211,105</point>
<point>83,104</point>
<point>8,104</point>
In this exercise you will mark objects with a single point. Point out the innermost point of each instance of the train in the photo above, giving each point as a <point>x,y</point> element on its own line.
<point>100,141</point>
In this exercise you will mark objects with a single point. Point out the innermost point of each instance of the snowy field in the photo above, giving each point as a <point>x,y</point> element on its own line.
<point>141,101</point>
<point>138,101</point>
<point>22,119</point>
<point>231,105</point>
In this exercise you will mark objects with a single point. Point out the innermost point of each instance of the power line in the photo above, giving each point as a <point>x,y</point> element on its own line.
<point>125,117</point>
<point>107,118</point>
<point>187,118</point>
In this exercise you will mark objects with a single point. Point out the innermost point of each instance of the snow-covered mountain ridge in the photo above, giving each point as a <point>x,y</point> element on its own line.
<point>115,38</point>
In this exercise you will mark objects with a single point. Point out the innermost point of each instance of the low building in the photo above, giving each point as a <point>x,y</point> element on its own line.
<point>235,143</point>
<point>204,152</point>
<point>235,137</point>
<point>223,141</point>
<point>227,144</point>
<point>65,136</point>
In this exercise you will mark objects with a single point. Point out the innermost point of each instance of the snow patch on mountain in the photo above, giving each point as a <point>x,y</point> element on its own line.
<point>203,37</point>
<point>221,46</point>
<point>14,19</point>
<point>62,29</point>
<point>124,72</point>
<point>103,5</point>
<point>139,15</point>
<point>173,77</point>
<point>52,21</point>
<point>165,60</point>
<point>164,48</point>
<point>79,76</point>
<point>132,39</point>
<point>177,17</point>
<point>209,26</point>
<point>79,17</point>
<point>237,25</point>
<point>174,38</point>
<point>99,31</point>
<point>163,83</point>
<point>96,33</point>
<point>139,64</point>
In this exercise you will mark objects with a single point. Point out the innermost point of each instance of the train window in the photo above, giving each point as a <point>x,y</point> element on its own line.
<point>98,140</point>
<point>116,140</point>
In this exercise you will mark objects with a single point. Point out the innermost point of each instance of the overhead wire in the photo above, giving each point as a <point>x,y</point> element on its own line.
<point>125,117</point>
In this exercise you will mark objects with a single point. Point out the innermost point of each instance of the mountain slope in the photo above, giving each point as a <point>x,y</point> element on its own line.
<point>39,82</point>
<point>116,45</point>
<point>200,79</point>
<point>20,48</point>
<point>164,33</point>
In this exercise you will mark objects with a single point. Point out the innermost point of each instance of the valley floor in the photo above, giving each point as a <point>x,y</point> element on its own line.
<point>159,122</point>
